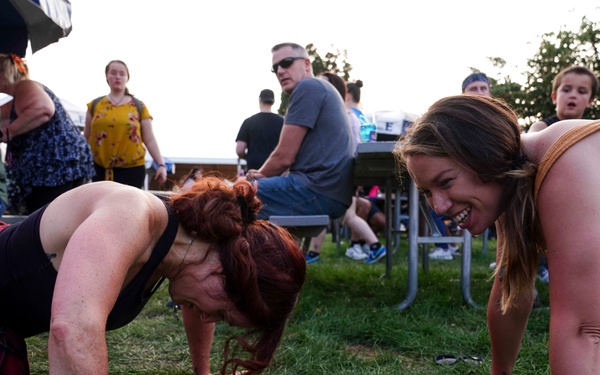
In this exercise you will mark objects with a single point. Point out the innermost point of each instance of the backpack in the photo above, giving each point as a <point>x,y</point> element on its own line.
<point>138,105</point>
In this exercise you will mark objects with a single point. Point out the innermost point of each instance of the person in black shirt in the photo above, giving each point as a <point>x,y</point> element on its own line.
<point>259,134</point>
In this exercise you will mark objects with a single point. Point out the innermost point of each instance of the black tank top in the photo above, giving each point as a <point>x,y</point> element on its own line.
<point>27,278</point>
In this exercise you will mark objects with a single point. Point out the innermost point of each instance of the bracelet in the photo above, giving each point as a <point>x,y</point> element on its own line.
<point>162,165</point>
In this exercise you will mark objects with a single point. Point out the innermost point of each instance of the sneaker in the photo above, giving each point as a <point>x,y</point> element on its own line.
<point>454,250</point>
<point>375,255</point>
<point>355,252</point>
<point>312,259</point>
<point>543,275</point>
<point>366,248</point>
<point>440,254</point>
<point>493,266</point>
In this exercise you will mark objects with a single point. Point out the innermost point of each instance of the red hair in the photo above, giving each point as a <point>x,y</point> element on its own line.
<point>263,267</point>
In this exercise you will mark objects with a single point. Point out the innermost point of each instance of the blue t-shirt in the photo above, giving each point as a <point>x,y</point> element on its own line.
<point>325,160</point>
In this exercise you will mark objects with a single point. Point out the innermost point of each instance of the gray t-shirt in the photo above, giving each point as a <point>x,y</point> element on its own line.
<point>325,160</point>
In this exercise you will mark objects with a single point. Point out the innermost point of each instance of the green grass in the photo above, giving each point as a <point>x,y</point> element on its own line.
<point>347,322</point>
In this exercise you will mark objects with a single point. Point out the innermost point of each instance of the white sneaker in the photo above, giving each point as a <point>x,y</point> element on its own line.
<point>453,250</point>
<point>543,275</point>
<point>355,252</point>
<point>366,248</point>
<point>440,254</point>
<point>493,266</point>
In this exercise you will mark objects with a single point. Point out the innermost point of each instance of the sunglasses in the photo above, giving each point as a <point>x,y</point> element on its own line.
<point>449,359</point>
<point>286,63</point>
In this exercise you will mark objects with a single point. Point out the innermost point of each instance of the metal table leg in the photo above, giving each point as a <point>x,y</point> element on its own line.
<point>465,272</point>
<point>413,245</point>
<point>389,226</point>
<point>413,250</point>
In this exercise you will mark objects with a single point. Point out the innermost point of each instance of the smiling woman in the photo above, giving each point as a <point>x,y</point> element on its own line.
<point>469,158</point>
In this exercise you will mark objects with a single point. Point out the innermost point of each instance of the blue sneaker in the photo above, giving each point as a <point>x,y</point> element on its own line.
<point>375,255</point>
<point>312,259</point>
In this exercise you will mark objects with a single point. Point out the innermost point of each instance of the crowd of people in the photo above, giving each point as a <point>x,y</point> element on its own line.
<point>210,238</point>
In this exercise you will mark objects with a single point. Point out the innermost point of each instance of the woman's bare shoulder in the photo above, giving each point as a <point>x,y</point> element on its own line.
<point>537,143</point>
<point>108,199</point>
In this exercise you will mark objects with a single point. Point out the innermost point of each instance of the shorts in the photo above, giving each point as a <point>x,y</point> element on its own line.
<point>285,195</point>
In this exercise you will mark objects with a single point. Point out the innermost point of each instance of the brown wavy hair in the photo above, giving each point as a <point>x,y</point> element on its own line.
<point>263,267</point>
<point>482,134</point>
<point>337,82</point>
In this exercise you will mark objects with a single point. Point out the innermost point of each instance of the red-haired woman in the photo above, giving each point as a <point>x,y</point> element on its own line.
<point>99,252</point>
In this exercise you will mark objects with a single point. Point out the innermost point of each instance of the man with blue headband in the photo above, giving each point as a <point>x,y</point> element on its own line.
<point>476,84</point>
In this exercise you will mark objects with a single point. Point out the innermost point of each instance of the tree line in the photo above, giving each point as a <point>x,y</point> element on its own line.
<point>530,100</point>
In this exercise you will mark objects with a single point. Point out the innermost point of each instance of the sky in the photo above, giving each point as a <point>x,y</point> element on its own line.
<point>199,66</point>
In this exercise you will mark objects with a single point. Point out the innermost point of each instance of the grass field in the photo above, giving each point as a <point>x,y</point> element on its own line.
<point>347,322</point>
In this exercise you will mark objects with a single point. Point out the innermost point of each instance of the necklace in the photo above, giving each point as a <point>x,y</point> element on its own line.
<point>114,102</point>
<point>175,307</point>
<point>185,255</point>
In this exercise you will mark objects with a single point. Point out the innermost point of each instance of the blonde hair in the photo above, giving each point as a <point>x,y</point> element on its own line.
<point>13,68</point>
<point>482,135</point>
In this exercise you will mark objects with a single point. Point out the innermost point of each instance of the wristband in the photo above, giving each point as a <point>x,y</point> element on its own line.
<point>162,165</point>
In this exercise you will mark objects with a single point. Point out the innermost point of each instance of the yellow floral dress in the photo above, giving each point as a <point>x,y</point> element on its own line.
<point>116,135</point>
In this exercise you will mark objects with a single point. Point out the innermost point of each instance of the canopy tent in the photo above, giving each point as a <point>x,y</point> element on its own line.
<point>40,22</point>
<point>76,113</point>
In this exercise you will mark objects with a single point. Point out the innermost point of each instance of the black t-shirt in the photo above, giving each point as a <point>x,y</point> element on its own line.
<point>261,134</point>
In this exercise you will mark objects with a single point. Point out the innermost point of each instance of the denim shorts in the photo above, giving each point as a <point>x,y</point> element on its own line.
<point>285,195</point>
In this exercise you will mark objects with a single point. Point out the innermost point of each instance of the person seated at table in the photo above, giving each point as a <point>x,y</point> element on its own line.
<point>364,241</point>
<point>304,175</point>
<point>469,157</point>
<point>367,209</point>
<point>89,261</point>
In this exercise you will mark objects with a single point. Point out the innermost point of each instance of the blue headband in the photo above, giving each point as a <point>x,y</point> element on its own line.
<point>474,78</point>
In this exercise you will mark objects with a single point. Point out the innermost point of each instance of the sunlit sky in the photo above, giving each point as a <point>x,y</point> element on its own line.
<point>199,66</point>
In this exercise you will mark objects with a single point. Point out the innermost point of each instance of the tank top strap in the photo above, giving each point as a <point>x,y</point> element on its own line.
<point>562,144</point>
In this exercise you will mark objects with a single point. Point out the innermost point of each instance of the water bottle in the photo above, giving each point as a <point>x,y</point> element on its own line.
<point>368,132</point>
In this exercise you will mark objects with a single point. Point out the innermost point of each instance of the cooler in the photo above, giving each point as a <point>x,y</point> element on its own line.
<point>391,124</point>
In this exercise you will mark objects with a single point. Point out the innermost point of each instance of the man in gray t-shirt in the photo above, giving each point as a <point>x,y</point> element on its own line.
<point>315,145</point>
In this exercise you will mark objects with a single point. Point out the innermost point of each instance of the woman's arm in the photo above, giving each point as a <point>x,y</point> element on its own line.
<point>106,242</point>
<point>506,331</point>
<point>152,146</point>
<point>200,338</point>
<point>33,106</point>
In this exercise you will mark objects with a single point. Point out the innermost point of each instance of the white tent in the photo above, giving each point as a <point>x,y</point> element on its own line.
<point>76,113</point>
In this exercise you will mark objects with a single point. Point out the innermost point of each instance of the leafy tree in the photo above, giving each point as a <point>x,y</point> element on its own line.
<point>333,61</point>
<point>559,50</point>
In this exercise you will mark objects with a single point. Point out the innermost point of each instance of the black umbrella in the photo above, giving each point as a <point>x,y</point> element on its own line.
<point>40,21</point>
